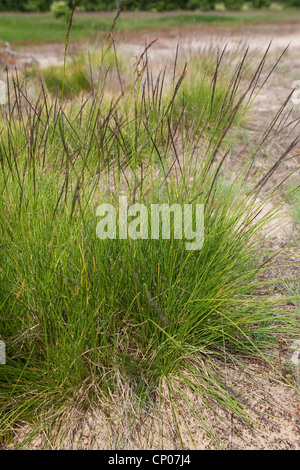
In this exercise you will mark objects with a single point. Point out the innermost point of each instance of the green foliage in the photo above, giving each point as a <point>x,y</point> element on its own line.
<point>205,5</point>
<point>292,3</point>
<point>75,79</point>
<point>204,107</point>
<point>110,5</point>
<point>193,4</point>
<point>19,27</point>
<point>59,9</point>
<point>233,4</point>
<point>25,5</point>
<point>261,3</point>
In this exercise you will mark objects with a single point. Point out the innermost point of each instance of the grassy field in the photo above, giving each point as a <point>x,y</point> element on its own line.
<point>98,322</point>
<point>43,27</point>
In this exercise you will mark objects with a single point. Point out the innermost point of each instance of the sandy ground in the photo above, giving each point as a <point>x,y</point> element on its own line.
<point>192,38</point>
<point>275,405</point>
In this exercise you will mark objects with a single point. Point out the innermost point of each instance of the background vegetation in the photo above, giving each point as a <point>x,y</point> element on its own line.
<point>143,5</point>
<point>39,27</point>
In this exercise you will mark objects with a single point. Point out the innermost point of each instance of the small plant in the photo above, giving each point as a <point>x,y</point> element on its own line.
<point>78,77</point>
<point>193,4</point>
<point>75,79</point>
<point>59,9</point>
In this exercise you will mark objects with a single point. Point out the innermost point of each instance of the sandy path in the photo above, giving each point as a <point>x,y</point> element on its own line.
<point>193,38</point>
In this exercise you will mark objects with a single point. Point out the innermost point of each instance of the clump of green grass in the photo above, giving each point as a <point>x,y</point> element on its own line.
<point>81,72</point>
<point>77,311</point>
<point>291,288</point>
<point>75,80</point>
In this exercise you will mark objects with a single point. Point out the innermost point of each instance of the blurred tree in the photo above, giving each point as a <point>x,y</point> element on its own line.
<point>98,5</point>
<point>25,5</point>
<point>233,4</point>
<point>292,3</point>
<point>261,3</point>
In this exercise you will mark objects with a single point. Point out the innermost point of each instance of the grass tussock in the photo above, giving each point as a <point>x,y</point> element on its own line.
<point>78,312</point>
